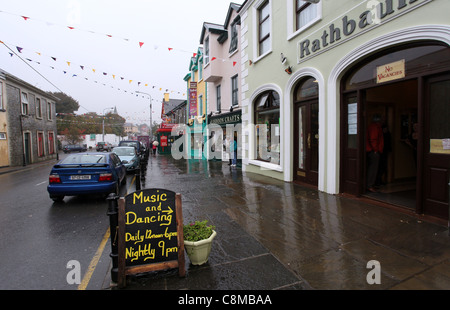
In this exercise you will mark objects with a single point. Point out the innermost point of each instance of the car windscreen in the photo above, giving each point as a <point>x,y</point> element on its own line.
<point>126,151</point>
<point>84,159</point>
<point>134,144</point>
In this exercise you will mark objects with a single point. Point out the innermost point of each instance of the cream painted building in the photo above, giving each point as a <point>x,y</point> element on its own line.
<point>316,72</point>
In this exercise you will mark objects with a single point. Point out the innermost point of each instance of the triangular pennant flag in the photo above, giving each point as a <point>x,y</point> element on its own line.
<point>195,55</point>
<point>19,49</point>
<point>141,43</point>
<point>54,58</point>
<point>114,77</point>
<point>93,70</point>
<point>82,67</point>
<point>214,58</point>
<point>104,73</point>
<point>170,48</point>
<point>130,81</point>
<point>71,28</point>
<point>29,59</point>
<point>139,83</point>
<point>68,63</point>
<point>108,35</point>
<point>234,63</point>
<point>25,17</point>
<point>11,54</point>
<point>38,53</point>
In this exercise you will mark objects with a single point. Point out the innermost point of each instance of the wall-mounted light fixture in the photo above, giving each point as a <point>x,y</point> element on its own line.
<point>283,59</point>
<point>288,70</point>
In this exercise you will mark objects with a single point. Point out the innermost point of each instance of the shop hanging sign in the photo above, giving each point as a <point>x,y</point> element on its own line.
<point>192,99</point>
<point>390,72</point>
<point>150,235</point>
<point>373,12</point>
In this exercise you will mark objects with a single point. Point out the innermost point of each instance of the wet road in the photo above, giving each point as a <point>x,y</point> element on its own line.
<point>38,237</point>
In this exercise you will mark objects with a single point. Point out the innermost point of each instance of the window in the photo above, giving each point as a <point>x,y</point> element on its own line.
<point>51,143</point>
<point>234,38</point>
<point>219,97</point>
<point>24,104</point>
<point>40,144</point>
<point>206,51</point>
<point>264,28</point>
<point>305,13</point>
<point>2,135</point>
<point>267,127</point>
<point>200,105</point>
<point>1,96</point>
<point>49,111</point>
<point>234,90</point>
<point>38,108</point>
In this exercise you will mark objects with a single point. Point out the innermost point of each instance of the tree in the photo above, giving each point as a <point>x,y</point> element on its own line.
<point>65,104</point>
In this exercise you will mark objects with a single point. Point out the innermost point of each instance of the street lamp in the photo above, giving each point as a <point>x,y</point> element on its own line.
<point>151,123</point>
<point>103,122</point>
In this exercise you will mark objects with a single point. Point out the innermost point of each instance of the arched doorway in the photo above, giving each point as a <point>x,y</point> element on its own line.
<point>306,131</point>
<point>407,87</point>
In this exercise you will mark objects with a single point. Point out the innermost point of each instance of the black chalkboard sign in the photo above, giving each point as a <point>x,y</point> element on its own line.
<point>150,232</point>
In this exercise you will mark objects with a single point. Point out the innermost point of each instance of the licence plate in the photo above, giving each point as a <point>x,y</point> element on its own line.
<point>80,177</point>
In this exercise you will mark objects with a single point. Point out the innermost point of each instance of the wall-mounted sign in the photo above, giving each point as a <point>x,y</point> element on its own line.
<point>390,72</point>
<point>192,99</point>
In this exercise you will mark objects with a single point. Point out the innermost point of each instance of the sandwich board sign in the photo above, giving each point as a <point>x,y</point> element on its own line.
<point>150,234</point>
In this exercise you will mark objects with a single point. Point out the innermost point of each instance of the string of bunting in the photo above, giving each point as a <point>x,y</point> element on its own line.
<point>70,64</point>
<point>139,43</point>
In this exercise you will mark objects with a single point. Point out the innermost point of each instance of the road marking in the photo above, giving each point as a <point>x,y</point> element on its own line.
<point>41,183</point>
<point>87,277</point>
<point>129,187</point>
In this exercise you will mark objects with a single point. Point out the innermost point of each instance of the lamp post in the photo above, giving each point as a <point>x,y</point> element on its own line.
<point>151,122</point>
<point>103,123</point>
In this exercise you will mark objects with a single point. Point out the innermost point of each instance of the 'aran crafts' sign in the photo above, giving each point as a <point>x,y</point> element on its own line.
<point>150,232</point>
<point>344,28</point>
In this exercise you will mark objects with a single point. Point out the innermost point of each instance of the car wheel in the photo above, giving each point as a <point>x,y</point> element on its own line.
<point>57,198</point>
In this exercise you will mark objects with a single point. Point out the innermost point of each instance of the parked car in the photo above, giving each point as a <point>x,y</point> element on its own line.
<point>103,146</point>
<point>74,148</point>
<point>128,156</point>
<point>86,173</point>
<point>138,146</point>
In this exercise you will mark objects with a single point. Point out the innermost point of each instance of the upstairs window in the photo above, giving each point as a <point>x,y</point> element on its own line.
<point>305,13</point>
<point>264,28</point>
<point>234,38</point>
<point>24,104</point>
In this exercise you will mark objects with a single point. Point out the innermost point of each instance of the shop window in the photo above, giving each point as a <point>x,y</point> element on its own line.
<point>267,127</point>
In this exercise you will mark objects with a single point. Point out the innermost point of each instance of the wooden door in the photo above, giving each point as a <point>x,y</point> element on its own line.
<point>306,145</point>
<point>436,146</point>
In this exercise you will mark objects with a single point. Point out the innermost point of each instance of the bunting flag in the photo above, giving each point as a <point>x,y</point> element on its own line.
<point>74,75</point>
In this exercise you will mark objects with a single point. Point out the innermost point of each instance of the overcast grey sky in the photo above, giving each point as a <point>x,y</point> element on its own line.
<point>106,37</point>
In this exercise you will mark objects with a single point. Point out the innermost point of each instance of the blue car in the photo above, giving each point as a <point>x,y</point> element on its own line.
<point>86,173</point>
<point>128,156</point>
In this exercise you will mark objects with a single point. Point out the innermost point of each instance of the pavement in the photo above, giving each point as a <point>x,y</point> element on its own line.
<point>274,235</point>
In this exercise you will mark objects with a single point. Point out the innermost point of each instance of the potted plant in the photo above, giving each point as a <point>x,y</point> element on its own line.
<point>198,239</point>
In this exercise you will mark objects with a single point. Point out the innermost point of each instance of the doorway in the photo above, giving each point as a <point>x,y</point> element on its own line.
<point>306,132</point>
<point>413,105</point>
<point>396,105</point>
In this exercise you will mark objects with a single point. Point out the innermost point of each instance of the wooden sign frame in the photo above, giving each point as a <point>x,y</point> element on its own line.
<point>124,270</point>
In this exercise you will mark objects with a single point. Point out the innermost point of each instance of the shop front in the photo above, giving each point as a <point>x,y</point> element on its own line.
<point>406,90</point>
<point>229,124</point>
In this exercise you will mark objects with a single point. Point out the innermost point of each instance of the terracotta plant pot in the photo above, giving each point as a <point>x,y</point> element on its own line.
<point>198,251</point>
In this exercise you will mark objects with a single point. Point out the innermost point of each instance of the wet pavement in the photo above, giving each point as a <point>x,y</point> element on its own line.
<point>273,235</point>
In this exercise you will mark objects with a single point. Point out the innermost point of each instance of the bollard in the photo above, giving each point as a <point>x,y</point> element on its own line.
<point>138,179</point>
<point>113,213</point>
